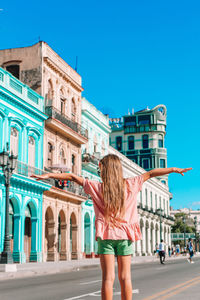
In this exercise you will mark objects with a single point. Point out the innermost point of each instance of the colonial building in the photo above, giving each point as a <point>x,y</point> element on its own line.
<point>22,128</point>
<point>98,128</point>
<point>47,73</point>
<point>153,208</point>
<point>141,137</point>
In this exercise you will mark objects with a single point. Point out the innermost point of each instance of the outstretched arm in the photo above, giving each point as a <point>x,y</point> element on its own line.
<point>60,176</point>
<point>164,171</point>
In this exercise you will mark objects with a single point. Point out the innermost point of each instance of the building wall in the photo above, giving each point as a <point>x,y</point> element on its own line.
<point>133,125</point>
<point>22,109</point>
<point>46,72</point>
<point>98,128</point>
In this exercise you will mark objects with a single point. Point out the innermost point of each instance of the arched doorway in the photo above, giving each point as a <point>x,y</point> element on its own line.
<point>73,236</point>
<point>27,232</point>
<point>87,235</point>
<point>157,234</point>
<point>62,236</point>
<point>49,235</point>
<point>11,225</point>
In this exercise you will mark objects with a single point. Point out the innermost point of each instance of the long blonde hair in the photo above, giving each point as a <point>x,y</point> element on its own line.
<point>113,188</point>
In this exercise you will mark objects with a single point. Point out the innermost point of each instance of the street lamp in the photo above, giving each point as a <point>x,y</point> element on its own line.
<point>195,226</point>
<point>159,211</point>
<point>8,164</point>
<point>184,232</point>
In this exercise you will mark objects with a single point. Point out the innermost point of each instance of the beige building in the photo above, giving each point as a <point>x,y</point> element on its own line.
<point>154,196</point>
<point>48,74</point>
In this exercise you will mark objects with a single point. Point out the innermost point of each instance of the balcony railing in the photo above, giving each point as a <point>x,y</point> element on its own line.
<point>86,157</point>
<point>53,112</point>
<point>26,170</point>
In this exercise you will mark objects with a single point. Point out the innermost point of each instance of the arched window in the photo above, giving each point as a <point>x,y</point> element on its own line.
<point>49,100</point>
<point>145,141</point>
<point>31,151</point>
<point>62,102</point>
<point>73,110</point>
<point>160,141</point>
<point>14,70</point>
<point>62,157</point>
<point>50,155</point>
<point>131,143</point>
<point>14,140</point>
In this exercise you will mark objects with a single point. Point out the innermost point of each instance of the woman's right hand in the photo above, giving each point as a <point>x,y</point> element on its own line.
<point>40,177</point>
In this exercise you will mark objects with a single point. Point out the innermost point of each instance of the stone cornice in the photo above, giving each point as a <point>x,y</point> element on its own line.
<point>64,195</point>
<point>64,75</point>
<point>8,96</point>
<point>106,128</point>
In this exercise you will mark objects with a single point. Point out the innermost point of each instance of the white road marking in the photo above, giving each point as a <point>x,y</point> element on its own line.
<point>136,291</point>
<point>88,282</point>
<point>81,296</point>
<point>98,294</point>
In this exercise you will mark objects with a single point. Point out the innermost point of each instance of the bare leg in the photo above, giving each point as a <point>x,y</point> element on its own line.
<point>124,274</point>
<point>108,275</point>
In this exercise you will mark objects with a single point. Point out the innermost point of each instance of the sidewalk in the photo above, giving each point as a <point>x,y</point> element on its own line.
<point>46,268</point>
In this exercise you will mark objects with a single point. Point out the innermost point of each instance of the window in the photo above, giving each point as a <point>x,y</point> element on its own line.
<point>146,197</point>
<point>62,102</point>
<point>95,144</point>
<point>62,157</point>
<point>50,90</point>
<point>50,155</point>
<point>151,197</point>
<point>160,141</point>
<point>162,163</point>
<point>164,205</point>
<point>145,163</point>
<point>131,142</point>
<point>145,141</point>
<point>73,164</point>
<point>160,201</point>
<point>163,181</point>
<point>73,110</point>
<point>31,151</point>
<point>14,140</point>
<point>119,143</point>
<point>14,70</point>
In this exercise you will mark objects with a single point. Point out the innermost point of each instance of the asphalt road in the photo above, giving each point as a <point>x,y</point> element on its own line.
<point>176,279</point>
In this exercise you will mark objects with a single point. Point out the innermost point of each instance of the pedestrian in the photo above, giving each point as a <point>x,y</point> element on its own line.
<point>162,251</point>
<point>169,251</point>
<point>177,249</point>
<point>191,251</point>
<point>116,218</point>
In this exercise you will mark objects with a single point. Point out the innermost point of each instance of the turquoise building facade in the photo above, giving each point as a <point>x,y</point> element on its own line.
<point>22,127</point>
<point>98,128</point>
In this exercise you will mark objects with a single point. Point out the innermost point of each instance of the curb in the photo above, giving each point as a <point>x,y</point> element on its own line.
<point>43,272</point>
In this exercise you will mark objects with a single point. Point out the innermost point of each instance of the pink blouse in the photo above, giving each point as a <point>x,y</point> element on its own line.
<point>128,228</point>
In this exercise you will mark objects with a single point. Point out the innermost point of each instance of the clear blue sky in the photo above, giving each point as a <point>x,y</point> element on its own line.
<point>130,54</point>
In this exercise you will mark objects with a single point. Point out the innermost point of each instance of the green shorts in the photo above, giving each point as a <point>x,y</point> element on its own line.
<point>116,247</point>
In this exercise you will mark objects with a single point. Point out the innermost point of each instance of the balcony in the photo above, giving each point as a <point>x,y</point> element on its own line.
<point>90,162</point>
<point>26,170</point>
<point>71,129</point>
